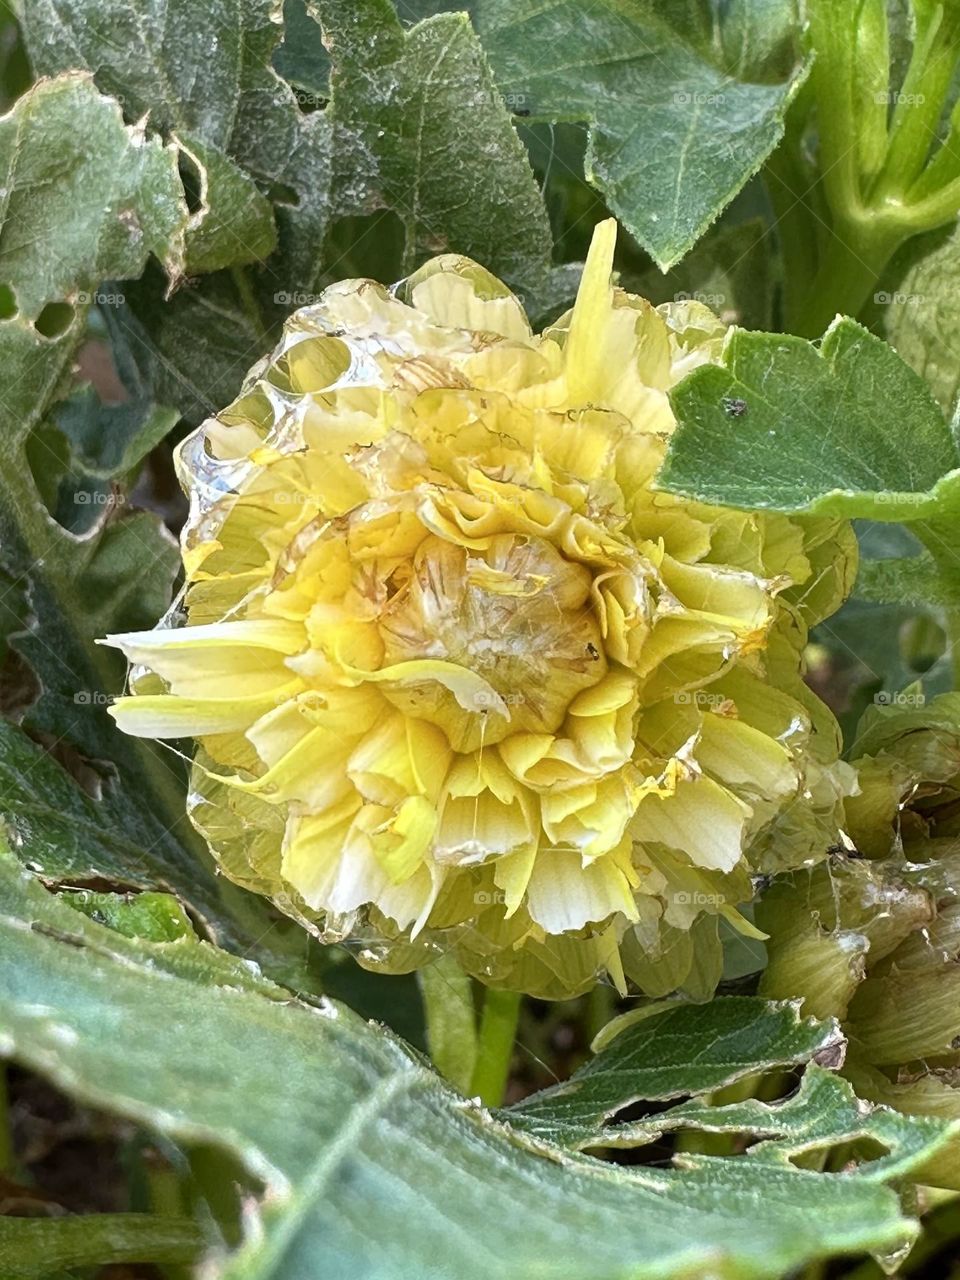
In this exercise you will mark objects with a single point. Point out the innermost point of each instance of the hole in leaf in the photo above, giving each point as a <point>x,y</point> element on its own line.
<point>656,1150</point>
<point>658,1154</point>
<point>74,1159</point>
<point>643,1110</point>
<point>788,1085</point>
<point>8,302</point>
<point>308,101</point>
<point>861,1151</point>
<point>922,642</point>
<point>89,775</point>
<point>281,193</point>
<point>190,177</point>
<point>54,320</point>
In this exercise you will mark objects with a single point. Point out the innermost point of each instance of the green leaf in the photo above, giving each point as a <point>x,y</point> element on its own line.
<point>823,1113</point>
<point>258,153</point>
<point>122,814</point>
<point>668,1052</point>
<point>83,196</point>
<point>680,115</point>
<point>202,74</point>
<point>404,97</point>
<point>68,836</point>
<point>204,78</point>
<point>755,38</point>
<point>157,917</point>
<point>33,1248</point>
<point>845,429</point>
<point>110,440</point>
<point>370,1163</point>
<point>908,580</point>
<point>891,633</point>
<point>71,837</point>
<point>202,69</point>
<point>883,725</point>
<point>874,651</point>
<point>233,224</point>
<point>117,198</point>
<point>197,345</point>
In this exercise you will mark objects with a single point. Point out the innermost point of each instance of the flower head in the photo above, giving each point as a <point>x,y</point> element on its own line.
<point>459,674</point>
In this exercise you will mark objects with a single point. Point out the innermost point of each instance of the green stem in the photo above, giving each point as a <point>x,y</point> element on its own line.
<point>919,104</point>
<point>498,1029</point>
<point>872,85</point>
<point>219,1179</point>
<point>97,1239</point>
<point>792,187</point>
<point>834,78</point>
<point>447,996</point>
<point>601,1003</point>
<point>166,1201</point>
<point>933,210</point>
<point>915,114</point>
<point>865,170</point>
<point>815,1271</point>
<point>844,281</point>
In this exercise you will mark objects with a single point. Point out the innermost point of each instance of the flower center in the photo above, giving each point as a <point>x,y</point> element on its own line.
<point>517,614</point>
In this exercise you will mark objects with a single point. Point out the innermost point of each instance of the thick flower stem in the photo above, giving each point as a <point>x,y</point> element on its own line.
<point>874,177</point>
<point>601,1003</point>
<point>447,996</point>
<point>843,283</point>
<point>498,1029</point>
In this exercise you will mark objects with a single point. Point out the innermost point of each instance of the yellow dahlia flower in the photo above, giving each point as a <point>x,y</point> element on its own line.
<point>460,676</point>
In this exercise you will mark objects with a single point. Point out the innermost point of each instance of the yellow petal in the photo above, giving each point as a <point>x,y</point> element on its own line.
<point>217,661</point>
<point>743,757</point>
<point>585,367</point>
<point>564,895</point>
<point>471,691</point>
<point>474,828</point>
<point>402,845</point>
<point>168,716</point>
<point>701,819</point>
<point>511,874</point>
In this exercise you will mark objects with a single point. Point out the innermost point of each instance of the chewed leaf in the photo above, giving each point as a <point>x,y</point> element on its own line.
<point>823,1113</point>
<point>344,1127</point>
<point>668,1052</point>
<point>843,428</point>
<point>116,200</point>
